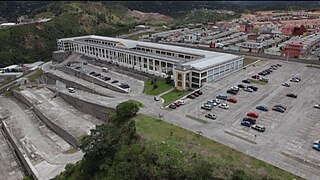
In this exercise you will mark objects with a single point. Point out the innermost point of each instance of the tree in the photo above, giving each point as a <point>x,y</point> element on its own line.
<point>239,175</point>
<point>125,111</point>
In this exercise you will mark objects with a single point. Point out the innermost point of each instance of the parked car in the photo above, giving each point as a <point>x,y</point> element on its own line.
<point>246,81</point>
<point>254,88</point>
<point>85,63</point>
<point>107,78</point>
<point>92,73</point>
<point>124,85</point>
<point>316,146</point>
<point>264,80</point>
<point>258,128</point>
<point>294,80</point>
<point>230,91</point>
<point>207,107</point>
<point>234,88</point>
<point>172,106</point>
<point>247,89</point>
<point>251,120</point>
<point>71,90</point>
<point>317,106</point>
<point>280,106</point>
<point>177,104</point>
<point>285,84</point>
<point>191,96</point>
<point>212,103</point>
<point>223,106</point>
<point>232,99</point>
<point>262,73</point>
<point>279,65</point>
<point>255,77</point>
<point>317,141</point>
<point>181,102</point>
<point>156,98</point>
<point>114,81</point>
<point>245,123</point>
<point>199,92</point>
<point>278,109</point>
<point>195,94</point>
<point>241,86</point>
<point>210,116</point>
<point>216,101</point>
<point>223,97</point>
<point>97,75</point>
<point>262,108</point>
<point>292,95</point>
<point>253,114</point>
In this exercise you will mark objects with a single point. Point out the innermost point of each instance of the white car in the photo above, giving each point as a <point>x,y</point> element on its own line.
<point>216,101</point>
<point>181,102</point>
<point>235,88</point>
<point>223,106</point>
<point>212,102</point>
<point>71,90</point>
<point>317,141</point>
<point>317,106</point>
<point>248,89</point>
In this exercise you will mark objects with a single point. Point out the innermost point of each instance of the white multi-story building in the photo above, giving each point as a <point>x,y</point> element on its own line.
<point>191,68</point>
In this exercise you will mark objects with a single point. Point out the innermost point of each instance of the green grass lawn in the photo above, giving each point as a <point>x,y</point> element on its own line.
<point>173,95</point>
<point>247,61</point>
<point>257,81</point>
<point>162,87</point>
<point>180,141</point>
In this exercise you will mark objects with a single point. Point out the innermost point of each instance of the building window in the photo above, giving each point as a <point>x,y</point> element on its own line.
<point>179,83</point>
<point>195,74</point>
<point>179,76</point>
<point>204,74</point>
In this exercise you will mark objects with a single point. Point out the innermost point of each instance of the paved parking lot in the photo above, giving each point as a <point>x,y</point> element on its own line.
<point>136,86</point>
<point>292,131</point>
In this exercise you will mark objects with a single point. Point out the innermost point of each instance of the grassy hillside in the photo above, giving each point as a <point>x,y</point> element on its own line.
<point>34,42</point>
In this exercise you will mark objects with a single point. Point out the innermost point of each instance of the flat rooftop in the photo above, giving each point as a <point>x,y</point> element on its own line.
<point>206,58</point>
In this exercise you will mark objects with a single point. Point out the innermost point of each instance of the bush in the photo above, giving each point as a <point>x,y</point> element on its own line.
<point>155,86</point>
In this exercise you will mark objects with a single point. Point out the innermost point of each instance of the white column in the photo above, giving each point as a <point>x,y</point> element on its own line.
<point>154,65</point>
<point>160,69</point>
<point>148,63</point>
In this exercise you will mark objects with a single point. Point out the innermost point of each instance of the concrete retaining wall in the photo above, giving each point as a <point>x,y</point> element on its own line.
<point>91,79</point>
<point>24,159</point>
<point>99,111</point>
<point>57,129</point>
<point>52,78</point>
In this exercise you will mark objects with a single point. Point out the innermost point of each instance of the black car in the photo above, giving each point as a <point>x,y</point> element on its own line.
<point>92,73</point>
<point>124,85</point>
<point>251,120</point>
<point>241,86</point>
<point>292,95</point>
<point>199,92</point>
<point>97,75</point>
<point>278,109</point>
<point>191,96</point>
<point>114,81</point>
<point>255,88</point>
<point>279,65</point>
<point>246,81</point>
<point>172,106</point>
<point>280,106</point>
<point>230,91</point>
<point>262,73</point>
<point>107,78</point>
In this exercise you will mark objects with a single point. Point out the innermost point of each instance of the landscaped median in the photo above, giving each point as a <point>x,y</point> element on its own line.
<point>227,162</point>
<point>173,95</point>
<point>156,87</point>
<point>257,81</point>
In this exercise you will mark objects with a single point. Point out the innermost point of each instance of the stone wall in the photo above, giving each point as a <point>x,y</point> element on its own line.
<point>99,111</point>
<point>24,159</point>
<point>60,56</point>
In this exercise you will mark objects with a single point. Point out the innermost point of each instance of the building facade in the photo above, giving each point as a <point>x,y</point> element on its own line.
<point>191,68</point>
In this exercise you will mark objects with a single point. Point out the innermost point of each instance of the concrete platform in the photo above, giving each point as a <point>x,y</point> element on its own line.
<point>47,151</point>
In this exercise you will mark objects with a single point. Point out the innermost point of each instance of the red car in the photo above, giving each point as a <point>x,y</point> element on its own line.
<point>232,99</point>
<point>253,114</point>
<point>177,104</point>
